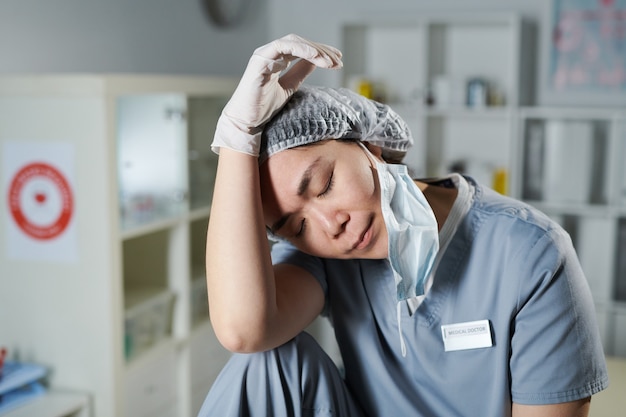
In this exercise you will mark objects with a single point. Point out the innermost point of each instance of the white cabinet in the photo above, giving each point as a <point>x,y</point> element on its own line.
<point>120,319</point>
<point>572,168</point>
<point>204,348</point>
<point>456,79</point>
<point>151,385</point>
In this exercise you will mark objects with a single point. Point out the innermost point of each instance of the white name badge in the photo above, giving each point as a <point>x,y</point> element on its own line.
<point>468,335</point>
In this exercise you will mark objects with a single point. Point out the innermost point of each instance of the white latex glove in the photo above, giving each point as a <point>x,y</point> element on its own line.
<point>263,90</point>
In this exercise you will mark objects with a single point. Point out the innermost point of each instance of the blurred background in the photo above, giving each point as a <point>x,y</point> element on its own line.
<point>107,109</point>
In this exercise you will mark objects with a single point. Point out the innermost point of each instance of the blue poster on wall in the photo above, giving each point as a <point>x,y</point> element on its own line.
<point>588,51</point>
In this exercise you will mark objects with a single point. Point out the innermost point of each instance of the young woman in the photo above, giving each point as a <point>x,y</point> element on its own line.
<point>446,298</point>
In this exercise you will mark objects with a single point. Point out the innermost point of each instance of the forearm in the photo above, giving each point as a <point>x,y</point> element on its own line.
<point>240,281</point>
<point>578,408</point>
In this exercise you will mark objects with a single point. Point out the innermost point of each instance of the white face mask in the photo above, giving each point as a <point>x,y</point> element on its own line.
<point>411,228</point>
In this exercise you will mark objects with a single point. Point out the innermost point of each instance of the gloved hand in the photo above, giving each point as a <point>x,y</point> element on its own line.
<point>263,90</point>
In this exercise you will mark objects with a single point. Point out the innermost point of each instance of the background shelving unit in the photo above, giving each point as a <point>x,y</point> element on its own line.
<point>125,323</point>
<point>572,168</point>
<point>434,59</point>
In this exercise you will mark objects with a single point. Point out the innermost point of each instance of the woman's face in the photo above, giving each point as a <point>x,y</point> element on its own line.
<point>325,199</point>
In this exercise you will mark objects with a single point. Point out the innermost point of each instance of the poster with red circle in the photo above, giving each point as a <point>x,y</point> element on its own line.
<point>40,201</point>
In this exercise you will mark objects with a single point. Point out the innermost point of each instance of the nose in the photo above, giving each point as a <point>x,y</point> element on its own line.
<point>332,221</point>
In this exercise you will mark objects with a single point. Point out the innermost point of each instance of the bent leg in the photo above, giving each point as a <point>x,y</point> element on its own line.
<point>296,379</point>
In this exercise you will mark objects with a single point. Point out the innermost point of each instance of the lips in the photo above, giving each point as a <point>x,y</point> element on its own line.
<point>365,237</point>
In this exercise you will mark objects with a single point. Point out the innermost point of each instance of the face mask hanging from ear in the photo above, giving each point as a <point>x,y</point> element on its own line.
<point>411,227</point>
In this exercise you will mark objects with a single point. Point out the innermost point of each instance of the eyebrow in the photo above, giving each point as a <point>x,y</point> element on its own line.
<point>303,186</point>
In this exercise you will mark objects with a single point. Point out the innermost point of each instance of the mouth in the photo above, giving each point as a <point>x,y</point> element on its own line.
<point>365,238</point>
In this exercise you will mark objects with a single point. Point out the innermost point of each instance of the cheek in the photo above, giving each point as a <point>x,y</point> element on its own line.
<point>320,248</point>
<point>364,185</point>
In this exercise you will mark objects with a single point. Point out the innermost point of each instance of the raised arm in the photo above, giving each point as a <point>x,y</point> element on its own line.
<point>253,306</point>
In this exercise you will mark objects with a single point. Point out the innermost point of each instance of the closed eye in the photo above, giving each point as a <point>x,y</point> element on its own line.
<point>329,185</point>
<point>327,189</point>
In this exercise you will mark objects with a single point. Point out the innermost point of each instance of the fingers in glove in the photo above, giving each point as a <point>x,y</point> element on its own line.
<point>293,46</point>
<point>294,76</point>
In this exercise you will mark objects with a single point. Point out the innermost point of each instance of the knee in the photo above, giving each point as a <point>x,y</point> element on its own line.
<point>298,373</point>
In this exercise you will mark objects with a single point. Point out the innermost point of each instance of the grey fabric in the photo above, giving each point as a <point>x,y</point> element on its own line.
<point>296,379</point>
<point>313,114</point>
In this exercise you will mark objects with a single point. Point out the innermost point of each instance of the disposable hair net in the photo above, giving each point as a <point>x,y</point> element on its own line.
<point>313,114</point>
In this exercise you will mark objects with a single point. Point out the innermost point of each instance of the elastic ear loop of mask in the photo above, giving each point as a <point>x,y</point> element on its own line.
<point>399,317</point>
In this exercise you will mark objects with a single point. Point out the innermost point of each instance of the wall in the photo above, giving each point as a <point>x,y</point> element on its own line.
<point>174,36</point>
<point>154,36</point>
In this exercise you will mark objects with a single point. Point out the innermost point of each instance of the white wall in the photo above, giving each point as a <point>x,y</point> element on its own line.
<point>322,20</point>
<point>174,36</point>
<point>154,36</point>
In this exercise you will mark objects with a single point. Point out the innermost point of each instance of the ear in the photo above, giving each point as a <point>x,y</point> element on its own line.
<point>377,151</point>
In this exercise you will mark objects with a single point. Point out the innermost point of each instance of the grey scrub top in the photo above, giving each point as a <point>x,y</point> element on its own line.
<point>509,271</point>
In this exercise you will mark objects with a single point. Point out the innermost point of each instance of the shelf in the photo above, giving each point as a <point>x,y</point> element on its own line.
<point>574,113</point>
<point>620,306</point>
<point>446,54</point>
<point>54,404</point>
<point>141,229</point>
<point>164,347</point>
<point>367,54</point>
<point>201,213</point>
<point>575,209</point>
<point>148,313</point>
<point>471,113</point>
<point>464,49</point>
<point>567,160</point>
<point>458,48</point>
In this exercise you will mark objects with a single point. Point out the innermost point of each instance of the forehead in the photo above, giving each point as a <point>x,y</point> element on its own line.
<point>284,165</point>
<point>279,177</point>
<point>281,174</point>
<point>287,166</point>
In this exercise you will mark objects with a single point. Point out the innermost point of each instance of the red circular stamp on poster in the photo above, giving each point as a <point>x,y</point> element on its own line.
<point>56,185</point>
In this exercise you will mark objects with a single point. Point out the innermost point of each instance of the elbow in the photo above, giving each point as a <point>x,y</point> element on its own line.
<point>236,344</point>
<point>238,339</point>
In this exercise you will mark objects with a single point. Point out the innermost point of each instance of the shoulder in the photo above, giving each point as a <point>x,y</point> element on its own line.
<point>488,203</point>
<point>511,228</point>
<point>500,211</point>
